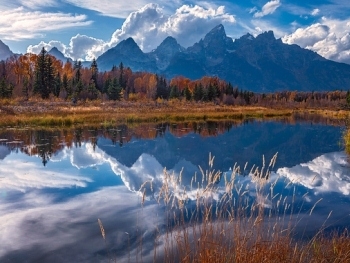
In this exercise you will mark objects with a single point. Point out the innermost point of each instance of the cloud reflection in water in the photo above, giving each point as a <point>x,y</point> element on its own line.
<point>36,222</point>
<point>327,173</point>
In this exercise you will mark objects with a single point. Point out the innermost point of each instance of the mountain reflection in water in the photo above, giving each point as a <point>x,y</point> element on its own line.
<point>49,212</point>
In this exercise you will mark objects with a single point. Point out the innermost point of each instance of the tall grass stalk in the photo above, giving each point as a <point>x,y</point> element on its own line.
<point>215,220</point>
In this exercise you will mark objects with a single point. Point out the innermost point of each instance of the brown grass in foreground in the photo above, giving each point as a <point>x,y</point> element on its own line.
<point>335,248</point>
<point>229,228</point>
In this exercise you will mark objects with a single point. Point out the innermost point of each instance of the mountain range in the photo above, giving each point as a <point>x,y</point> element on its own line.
<point>262,63</point>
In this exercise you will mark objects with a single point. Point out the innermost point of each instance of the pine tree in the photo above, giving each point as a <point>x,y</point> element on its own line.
<point>25,89</point>
<point>174,92</point>
<point>205,94</point>
<point>187,93</point>
<point>92,90</point>
<point>106,85</point>
<point>114,90</point>
<point>162,88</point>
<point>66,85</point>
<point>211,92</point>
<point>122,81</point>
<point>229,89</point>
<point>77,82</point>
<point>5,88</point>
<point>79,87</point>
<point>57,85</point>
<point>9,90</point>
<point>94,73</point>
<point>39,74</point>
<point>77,68</point>
<point>235,93</point>
<point>50,76</point>
<point>198,92</point>
<point>2,87</point>
<point>44,75</point>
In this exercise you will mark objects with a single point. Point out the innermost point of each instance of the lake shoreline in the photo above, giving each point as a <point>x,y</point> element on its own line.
<point>77,167</point>
<point>63,113</point>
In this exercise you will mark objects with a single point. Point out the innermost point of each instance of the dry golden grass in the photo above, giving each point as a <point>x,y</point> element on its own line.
<point>38,112</point>
<point>230,229</point>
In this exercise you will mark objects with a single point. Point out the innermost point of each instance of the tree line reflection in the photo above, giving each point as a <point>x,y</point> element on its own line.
<point>44,143</point>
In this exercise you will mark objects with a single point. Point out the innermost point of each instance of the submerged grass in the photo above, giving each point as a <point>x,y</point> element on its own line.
<point>226,226</point>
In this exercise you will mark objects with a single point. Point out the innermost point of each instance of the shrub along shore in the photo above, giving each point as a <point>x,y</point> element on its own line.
<point>65,114</point>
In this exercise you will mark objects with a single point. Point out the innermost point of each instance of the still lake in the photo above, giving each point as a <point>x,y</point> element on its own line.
<point>56,183</point>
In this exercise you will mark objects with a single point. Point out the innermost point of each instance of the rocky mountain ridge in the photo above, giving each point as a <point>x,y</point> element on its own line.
<point>262,63</point>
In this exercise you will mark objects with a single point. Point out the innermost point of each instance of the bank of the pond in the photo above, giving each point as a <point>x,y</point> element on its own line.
<point>61,113</point>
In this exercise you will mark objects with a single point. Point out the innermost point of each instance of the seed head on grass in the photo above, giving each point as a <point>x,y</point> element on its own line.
<point>102,229</point>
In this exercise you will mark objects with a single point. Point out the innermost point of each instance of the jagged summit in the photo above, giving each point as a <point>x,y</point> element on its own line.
<point>216,36</point>
<point>266,36</point>
<point>58,54</point>
<point>169,44</point>
<point>55,50</point>
<point>168,41</point>
<point>128,52</point>
<point>247,36</point>
<point>128,45</point>
<point>166,51</point>
<point>218,31</point>
<point>262,63</point>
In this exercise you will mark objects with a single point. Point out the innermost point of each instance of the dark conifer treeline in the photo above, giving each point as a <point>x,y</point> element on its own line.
<point>43,75</point>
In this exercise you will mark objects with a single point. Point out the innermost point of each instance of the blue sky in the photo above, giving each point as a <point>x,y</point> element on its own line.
<point>83,29</point>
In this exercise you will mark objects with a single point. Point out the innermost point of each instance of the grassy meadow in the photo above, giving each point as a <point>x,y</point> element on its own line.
<point>60,113</point>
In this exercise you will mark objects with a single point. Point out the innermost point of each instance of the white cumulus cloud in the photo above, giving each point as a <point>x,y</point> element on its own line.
<point>269,8</point>
<point>308,36</point>
<point>329,37</point>
<point>81,47</point>
<point>148,26</point>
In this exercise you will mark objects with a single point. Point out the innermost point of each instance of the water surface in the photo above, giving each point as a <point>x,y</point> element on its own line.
<point>55,184</point>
